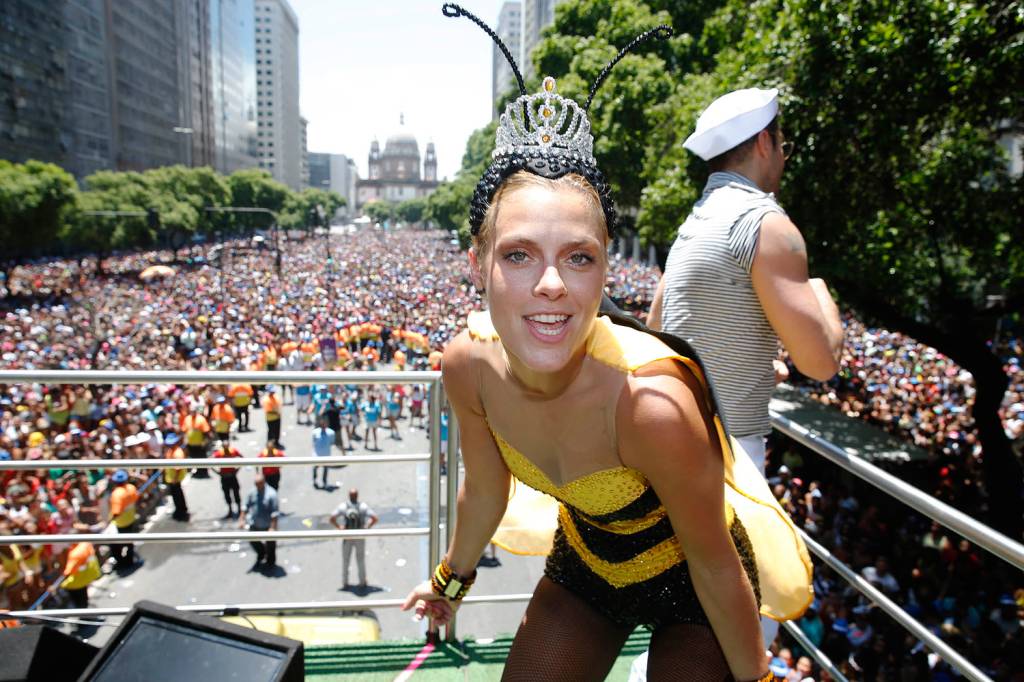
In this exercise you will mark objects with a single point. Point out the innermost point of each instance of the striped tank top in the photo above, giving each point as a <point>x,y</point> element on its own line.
<point>709,299</point>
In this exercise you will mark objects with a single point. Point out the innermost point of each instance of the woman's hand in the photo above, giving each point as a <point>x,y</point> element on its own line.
<point>425,602</point>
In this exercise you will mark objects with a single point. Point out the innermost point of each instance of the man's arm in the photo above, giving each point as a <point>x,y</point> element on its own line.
<point>654,314</point>
<point>800,310</point>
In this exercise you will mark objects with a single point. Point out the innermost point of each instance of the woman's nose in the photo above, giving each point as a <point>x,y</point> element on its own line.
<point>551,284</point>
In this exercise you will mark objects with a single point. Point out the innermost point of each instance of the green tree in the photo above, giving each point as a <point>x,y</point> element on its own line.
<point>252,188</point>
<point>895,107</point>
<point>181,195</point>
<point>448,206</point>
<point>411,211</point>
<point>35,200</point>
<point>114,191</point>
<point>300,209</point>
<point>380,211</point>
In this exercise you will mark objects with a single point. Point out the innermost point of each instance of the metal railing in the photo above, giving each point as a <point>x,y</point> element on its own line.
<point>997,543</point>
<point>983,536</point>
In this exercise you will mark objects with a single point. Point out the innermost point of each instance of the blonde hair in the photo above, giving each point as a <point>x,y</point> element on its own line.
<point>522,179</point>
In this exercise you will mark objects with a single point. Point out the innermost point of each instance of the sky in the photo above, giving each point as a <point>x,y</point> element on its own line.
<point>362,63</point>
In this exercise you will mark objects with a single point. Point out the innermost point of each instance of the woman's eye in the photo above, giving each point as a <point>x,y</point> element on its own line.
<point>580,259</point>
<point>515,256</point>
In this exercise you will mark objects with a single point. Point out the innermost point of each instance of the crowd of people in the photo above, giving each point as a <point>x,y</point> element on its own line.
<point>916,392</point>
<point>373,299</point>
<point>355,302</point>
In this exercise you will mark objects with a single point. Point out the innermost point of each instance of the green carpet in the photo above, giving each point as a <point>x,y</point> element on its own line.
<point>467,660</point>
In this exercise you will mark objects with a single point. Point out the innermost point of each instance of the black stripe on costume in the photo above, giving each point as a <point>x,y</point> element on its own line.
<point>616,547</point>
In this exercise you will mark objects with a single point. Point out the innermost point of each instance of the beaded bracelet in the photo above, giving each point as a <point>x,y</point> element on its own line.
<point>446,584</point>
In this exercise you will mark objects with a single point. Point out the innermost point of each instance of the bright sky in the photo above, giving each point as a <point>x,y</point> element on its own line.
<point>363,62</point>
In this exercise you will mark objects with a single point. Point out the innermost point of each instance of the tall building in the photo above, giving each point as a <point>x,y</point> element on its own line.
<point>233,48</point>
<point>198,94</point>
<point>337,173</point>
<point>146,81</point>
<point>304,141</point>
<point>279,136</point>
<point>129,84</point>
<point>395,173</point>
<point>536,15</point>
<point>87,112</point>
<point>33,72</point>
<point>509,30</point>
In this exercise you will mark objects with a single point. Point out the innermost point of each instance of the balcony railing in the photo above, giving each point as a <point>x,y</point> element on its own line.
<point>978,533</point>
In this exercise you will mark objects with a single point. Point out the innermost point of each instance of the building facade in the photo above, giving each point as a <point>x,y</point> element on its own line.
<point>279,133</point>
<point>129,84</point>
<point>233,48</point>
<point>398,173</point>
<point>304,158</point>
<point>33,68</point>
<point>509,30</point>
<point>337,173</point>
<point>536,15</point>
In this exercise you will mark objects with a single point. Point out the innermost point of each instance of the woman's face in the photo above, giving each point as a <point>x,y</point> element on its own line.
<point>544,273</point>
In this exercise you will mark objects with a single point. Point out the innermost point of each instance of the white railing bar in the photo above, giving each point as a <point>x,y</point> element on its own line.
<point>129,376</point>
<point>266,608</point>
<point>817,654</point>
<point>978,533</point>
<point>209,462</point>
<point>210,536</point>
<point>452,502</point>
<point>947,653</point>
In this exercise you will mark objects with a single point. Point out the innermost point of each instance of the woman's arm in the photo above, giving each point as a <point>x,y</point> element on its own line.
<point>665,431</point>
<point>483,494</point>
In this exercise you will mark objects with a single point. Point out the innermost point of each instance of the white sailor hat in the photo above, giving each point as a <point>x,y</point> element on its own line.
<point>732,119</point>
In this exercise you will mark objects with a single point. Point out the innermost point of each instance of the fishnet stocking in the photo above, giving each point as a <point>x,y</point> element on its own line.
<point>686,652</point>
<point>562,638</point>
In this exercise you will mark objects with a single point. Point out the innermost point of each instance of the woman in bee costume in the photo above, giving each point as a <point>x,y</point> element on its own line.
<point>658,523</point>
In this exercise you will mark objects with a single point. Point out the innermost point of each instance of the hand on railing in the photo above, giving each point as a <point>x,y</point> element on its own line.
<point>426,603</point>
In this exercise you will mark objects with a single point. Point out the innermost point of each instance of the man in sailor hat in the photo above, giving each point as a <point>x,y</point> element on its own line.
<point>736,279</point>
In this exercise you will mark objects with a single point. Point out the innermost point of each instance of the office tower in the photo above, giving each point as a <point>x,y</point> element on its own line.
<point>279,136</point>
<point>509,27</point>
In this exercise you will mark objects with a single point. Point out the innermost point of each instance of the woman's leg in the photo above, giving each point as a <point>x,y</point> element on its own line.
<point>686,652</point>
<point>563,638</point>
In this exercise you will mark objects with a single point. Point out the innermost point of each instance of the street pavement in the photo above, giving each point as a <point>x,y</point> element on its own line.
<point>219,573</point>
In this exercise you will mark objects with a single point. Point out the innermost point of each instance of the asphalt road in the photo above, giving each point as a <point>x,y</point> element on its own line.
<point>214,573</point>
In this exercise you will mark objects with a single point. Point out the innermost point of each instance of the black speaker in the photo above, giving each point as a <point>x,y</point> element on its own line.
<point>39,652</point>
<point>157,643</point>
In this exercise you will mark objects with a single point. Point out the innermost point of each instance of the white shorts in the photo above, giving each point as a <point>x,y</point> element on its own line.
<point>302,402</point>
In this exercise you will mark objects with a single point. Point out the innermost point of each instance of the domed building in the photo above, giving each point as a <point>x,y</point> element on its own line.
<point>394,174</point>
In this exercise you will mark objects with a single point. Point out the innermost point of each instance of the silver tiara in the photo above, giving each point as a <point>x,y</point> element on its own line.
<point>545,124</point>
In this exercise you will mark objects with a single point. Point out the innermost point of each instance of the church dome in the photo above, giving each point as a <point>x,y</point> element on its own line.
<point>401,144</point>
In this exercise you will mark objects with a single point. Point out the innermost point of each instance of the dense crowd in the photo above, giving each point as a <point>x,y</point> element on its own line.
<point>916,392</point>
<point>376,298</point>
<point>348,302</point>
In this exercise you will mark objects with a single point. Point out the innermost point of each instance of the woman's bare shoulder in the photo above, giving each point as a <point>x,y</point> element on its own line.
<point>460,368</point>
<point>661,404</point>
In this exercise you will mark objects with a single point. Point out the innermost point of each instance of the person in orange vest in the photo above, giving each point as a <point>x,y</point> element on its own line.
<point>272,473</point>
<point>272,411</point>
<point>123,498</point>
<point>399,357</point>
<point>241,397</point>
<point>229,479</point>
<point>174,477</point>
<point>81,569</point>
<point>223,417</point>
<point>195,429</point>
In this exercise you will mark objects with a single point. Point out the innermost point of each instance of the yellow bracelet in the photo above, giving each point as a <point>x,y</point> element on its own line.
<point>446,584</point>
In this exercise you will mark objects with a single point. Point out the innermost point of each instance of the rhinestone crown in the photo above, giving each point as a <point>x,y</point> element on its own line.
<point>545,124</point>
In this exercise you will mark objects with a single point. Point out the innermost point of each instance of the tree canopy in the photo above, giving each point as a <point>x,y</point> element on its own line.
<point>895,107</point>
